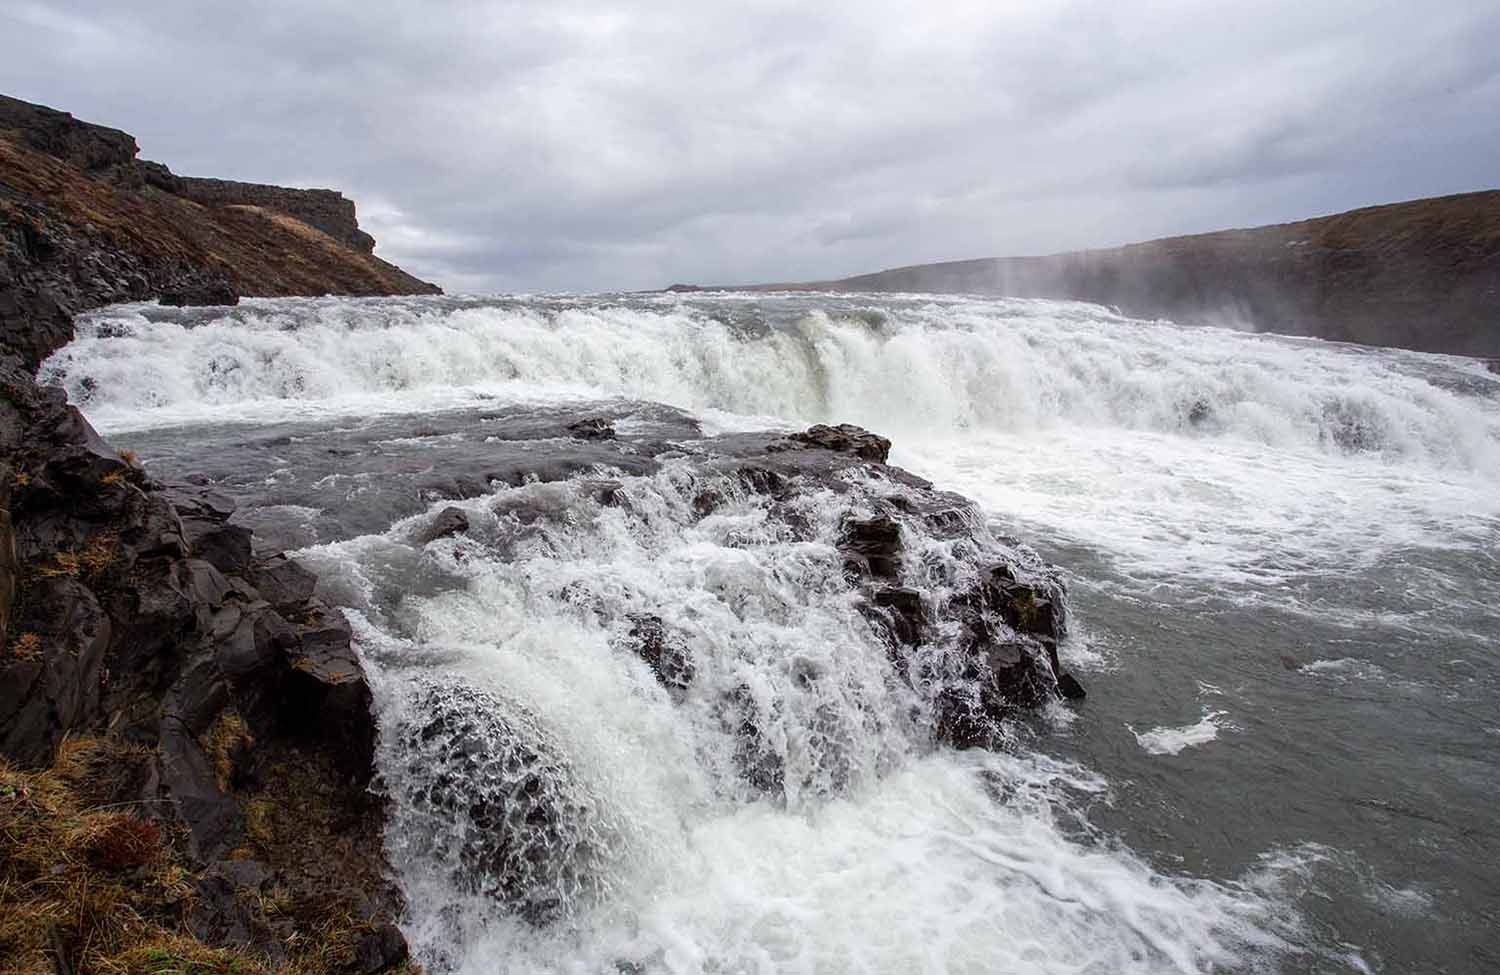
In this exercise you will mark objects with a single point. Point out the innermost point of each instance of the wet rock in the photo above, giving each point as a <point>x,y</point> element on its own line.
<point>214,821</point>
<point>903,613</point>
<point>593,428</point>
<point>664,652</point>
<point>200,293</point>
<point>1068,687</point>
<point>380,949</point>
<point>1493,365</point>
<point>251,875</point>
<point>759,763</point>
<point>325,698</point>
<point>1031,607</point>
<point>222,917</point>
<point>486,796</point>
<point>50,671</point>
<point>283,583</point>
<point>450,521</point>
<point>205,517</point>
<point>846,438</point>
<point>872,546</point>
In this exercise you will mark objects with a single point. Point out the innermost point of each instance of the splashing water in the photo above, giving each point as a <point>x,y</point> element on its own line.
<point>558,807</point>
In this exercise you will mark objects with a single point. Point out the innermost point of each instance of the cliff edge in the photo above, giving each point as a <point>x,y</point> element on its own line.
<point>84,223</point>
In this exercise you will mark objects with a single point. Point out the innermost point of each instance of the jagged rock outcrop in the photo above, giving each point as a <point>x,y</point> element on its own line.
<point>95,149</point>
<point>1423,274</point>
<point>328,210</point>
<point>83,223</point>
<point>228,706</point>
<point>136,611</point>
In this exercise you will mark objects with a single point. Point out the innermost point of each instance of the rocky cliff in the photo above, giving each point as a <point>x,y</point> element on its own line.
<point>185,731</point>
<point>1422,275</point>
<point>327,210</point>
<point>84,223</point>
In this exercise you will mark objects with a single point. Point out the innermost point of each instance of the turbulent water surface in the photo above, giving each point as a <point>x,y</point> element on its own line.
<point>1282,560</point>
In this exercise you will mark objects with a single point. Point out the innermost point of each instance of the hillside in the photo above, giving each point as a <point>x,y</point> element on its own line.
<point>1422,275</point>
<point>83,222</point>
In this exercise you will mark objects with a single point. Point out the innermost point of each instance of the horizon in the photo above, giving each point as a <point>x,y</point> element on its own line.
<point>533,148</point>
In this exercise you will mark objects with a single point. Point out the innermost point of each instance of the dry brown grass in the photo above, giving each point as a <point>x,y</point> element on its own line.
<point>25,648</point>
<point>107,884</point>
<point>90,561</point>
<point>227,736</point>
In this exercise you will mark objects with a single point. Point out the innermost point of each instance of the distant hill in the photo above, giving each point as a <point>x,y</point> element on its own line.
<point>1420,275</point>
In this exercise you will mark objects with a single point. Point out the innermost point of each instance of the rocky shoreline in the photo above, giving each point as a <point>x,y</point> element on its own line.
<point>185,730</point>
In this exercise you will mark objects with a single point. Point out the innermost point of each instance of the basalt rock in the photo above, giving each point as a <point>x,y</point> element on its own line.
<point>133,611</point>
<point>872,547</point>
<point>487,795</point>
<point>201,293</point>
<point>845,438</point>
<point>450,521</point>
<point>663,651</point>
<point>593,428</point>
<point>999,630</point>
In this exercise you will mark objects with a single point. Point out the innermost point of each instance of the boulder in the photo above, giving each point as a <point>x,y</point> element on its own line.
<point>487,798</point>
<point>450,521</point>
<point>845,438</point>
<point>593,428</point>
<point>663,651</point>
<point>210,292</point>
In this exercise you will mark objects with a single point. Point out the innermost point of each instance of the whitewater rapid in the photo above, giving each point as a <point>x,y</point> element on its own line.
<point>1180,450</point>
<point>1308,526</point>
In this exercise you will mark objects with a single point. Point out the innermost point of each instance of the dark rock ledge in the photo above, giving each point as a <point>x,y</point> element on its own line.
<point>219,697</point>
<point>186,740</point>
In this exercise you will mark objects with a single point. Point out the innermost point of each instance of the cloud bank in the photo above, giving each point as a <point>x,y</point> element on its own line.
<point>560,145</point>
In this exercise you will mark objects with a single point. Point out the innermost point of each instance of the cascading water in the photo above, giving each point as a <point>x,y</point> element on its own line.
<point>1281,555</point>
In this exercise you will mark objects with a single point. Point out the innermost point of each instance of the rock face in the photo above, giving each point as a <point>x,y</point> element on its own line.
<point>134,613</point>
<point>134,610</point>
<point>95,149</point>
<point>84,223</point>
<point>1423,274</point>
<point>328,210</point>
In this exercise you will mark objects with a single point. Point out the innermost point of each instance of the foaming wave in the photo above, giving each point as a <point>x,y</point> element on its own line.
<point>1174,740</point>
<point>880,854</point>
<point>899,364</point>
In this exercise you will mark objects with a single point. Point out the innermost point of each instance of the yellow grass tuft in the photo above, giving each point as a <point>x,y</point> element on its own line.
<point>26,647</point>
<point>104,881</point>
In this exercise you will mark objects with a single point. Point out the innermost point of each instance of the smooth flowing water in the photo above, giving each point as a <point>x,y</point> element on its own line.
<point>1285,597</point>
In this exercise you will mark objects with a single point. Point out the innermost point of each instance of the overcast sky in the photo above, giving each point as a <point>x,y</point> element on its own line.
<point>562,145</point>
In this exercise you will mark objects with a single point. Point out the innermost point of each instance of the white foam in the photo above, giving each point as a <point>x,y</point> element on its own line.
<point>1236,461</point>
<point>1165,740</point>
<point>881,854</point>
<point>906,366</point>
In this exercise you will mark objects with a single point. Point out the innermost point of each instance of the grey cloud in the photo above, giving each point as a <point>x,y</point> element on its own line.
<point>582,145</point>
